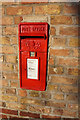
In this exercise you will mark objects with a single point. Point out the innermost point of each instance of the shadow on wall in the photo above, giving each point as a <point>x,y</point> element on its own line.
<point>79,58</point>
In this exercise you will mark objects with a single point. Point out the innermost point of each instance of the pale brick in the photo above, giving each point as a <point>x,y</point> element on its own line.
<point>11,59</point>
<point>56,70</point>
<point>3,83</point>
<point>34,93</point>
<point>57,42</point>
<point>7,20</point>
<point>73,31</point>
<point>32,101</point>
<point>1,58</point>
<point>10,30</point>
<point>47,9</point>
<point>64,112</point>
<point>10,76</point>
<point>13,40</point>
<point>63,80</point>
<point>73,9</point>
<point>73,106</point>
<point>59,52</point>
<point>7,49</point>
<point>5,40</point>
<point>55,104</point>
<point>67,20</point>
<point>46,95</point>
<point>58,96</point>
<point>74,42</point>
<point>16,106</point>
<point>6,67</point>
<point>72,97</point>
<point>68,61</point>
<point>9,98</point>
<point>35,18</point>
<point>52,87</point>
<point>39,109</point>
<point>68,89</point>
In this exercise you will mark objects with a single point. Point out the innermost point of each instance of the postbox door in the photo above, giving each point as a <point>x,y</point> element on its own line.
<point>35,84</point>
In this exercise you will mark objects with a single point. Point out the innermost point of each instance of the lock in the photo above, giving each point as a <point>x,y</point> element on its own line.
<point>33,45</point>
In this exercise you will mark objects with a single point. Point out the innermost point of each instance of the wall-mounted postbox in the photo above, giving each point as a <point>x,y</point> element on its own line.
<point>33,42</point>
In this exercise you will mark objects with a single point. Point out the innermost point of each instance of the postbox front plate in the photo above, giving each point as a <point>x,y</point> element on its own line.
<point>33,42</point>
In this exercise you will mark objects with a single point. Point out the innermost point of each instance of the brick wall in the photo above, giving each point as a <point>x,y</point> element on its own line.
<point>60,100</point>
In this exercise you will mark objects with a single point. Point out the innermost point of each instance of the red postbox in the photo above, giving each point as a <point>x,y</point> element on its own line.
<point>33,43</point>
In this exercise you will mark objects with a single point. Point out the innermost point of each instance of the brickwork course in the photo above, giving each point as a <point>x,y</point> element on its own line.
<point>60,100</point>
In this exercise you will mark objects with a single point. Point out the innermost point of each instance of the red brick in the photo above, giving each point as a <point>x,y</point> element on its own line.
<point>22,93</point>
<point>51,117</point>
<point>63,80</point>
<point>13,84</point>
<point>51,61</point>
<point>78,20</point>
<point>11,91</point>
<point>68,61</point>
<point>55,20</point>
<point>73,9</point>
<point>47,9</point>
<point>8,111</point>
<point>19,10</point>
<point>3,11</point>
<point>74,71</point>
<point>18,19</point>
<point>52,31</point>
<point>3,116</point>
<point>7,20</point>
<point>33,115</point>
<point>69,31</point>
<point>59,52</point>
<point>2,104</point>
